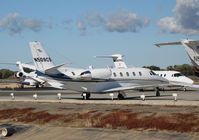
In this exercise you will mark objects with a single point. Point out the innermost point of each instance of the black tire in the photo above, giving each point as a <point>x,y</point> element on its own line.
<point>22,86</point>
<point>88,95</point>
<point>120,97</point>
<point>157,93</point>
<point>37,85</point>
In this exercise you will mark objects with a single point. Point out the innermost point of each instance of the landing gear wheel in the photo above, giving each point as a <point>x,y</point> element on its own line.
<point>22,86</point>
<point>86,96</point>
<point>184,89</point>
<point>157,92</point>
<point>37,85</point>
<point>120,96</point>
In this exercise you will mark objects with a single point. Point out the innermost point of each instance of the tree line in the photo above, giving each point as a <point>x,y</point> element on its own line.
<point>185,69</point>
<point>6,73</point>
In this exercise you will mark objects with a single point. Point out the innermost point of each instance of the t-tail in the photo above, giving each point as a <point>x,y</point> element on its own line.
<point>117,59</point>
<point>41,59</point>
<point>192,49</point>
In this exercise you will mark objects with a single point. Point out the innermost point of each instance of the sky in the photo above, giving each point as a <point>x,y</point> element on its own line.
<point>76,30</point>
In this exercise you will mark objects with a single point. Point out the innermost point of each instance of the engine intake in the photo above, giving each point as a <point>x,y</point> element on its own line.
<point>19,74</point>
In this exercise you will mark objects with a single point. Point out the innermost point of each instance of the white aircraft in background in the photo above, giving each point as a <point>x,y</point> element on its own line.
<point>175,78</point>
<point>28,78</point>
<point>87,81</point>
<point>25,78</point>
<point>192,49</point>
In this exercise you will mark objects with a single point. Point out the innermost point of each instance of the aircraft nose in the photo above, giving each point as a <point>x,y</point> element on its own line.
<point>188,80</point>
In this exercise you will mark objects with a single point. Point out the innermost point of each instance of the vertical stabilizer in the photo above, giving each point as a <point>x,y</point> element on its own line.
<point>191,47</point>
<point>40,57</point>
<point>19,65</point>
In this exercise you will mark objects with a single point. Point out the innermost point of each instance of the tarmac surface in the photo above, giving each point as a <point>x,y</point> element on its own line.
<point>188,98</point>
<point>72,103</point>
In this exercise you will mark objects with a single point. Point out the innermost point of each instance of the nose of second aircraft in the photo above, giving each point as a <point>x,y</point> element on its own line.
<point>189,81</point>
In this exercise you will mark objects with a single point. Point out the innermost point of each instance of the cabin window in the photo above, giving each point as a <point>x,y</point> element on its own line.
<point>127,74</point>
<point>121,74</point>
<point>73,73</point>
<point>164,75</point>
<point>140,73</point>
<point>114,74</point>
<point>133,73</point>
<point>161,75</point>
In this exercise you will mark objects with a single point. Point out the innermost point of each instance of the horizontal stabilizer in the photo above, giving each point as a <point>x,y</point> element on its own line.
<point>169,43</point>
<point>54,70</point>
<point>193,42</point>
<point>117,59</point>
<point>32,67</point>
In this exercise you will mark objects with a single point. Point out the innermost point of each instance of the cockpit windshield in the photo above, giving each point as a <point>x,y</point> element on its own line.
<point>85,72</point>
<point>178,74</point>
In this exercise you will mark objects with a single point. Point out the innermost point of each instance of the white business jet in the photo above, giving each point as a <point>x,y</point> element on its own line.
<point>175,78</point>
<point>87,81</point>
<point>192,49</point>
<point>24,77</point>
<point>28,78</point>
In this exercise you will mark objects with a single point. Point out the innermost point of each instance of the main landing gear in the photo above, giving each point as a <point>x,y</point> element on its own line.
<point>22,85</point>
<point>121,95</point>
<point>37,86</point>
<point>157,91</point>
<point>86,96</point>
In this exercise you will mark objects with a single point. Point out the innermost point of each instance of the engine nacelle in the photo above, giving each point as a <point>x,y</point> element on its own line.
<point>95,74</point>
<point>86,75</point>
<point>100,73</point>
<point>19,74</point>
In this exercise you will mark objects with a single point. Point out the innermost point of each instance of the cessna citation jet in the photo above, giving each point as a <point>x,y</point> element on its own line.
<point>175,78</point>
<point>87,81</point>
<point>192,49</point>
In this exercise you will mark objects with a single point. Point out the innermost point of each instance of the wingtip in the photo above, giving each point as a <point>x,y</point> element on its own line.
<point>157,45</point>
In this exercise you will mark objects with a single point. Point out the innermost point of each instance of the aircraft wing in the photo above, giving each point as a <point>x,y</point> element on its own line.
<point>55,84</point>
<point>36,79</point>
<point>132,88</point>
